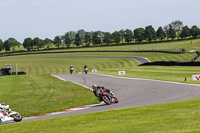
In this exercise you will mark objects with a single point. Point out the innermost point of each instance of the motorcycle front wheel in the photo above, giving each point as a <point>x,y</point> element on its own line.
<point>17,117</point>
<point>116,100</point>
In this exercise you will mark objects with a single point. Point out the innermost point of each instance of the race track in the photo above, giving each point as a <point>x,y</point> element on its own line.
<point>131,92</point>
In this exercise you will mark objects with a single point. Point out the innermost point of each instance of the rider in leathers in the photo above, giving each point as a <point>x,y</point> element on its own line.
<point>71,69</point>
<point>3,109</point>
<point>96,91</point>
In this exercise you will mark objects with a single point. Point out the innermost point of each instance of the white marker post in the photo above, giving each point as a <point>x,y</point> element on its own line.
<point>16,68</point>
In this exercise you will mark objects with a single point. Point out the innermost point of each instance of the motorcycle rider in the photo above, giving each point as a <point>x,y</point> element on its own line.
<point>3,109</point>
<point>71,68</point>
<point>96,91</point>
<point>86,66</point>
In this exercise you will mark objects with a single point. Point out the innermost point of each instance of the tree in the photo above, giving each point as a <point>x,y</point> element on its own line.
<point>128,35</point>
<point>67,39</point>
<point>88,38</point>
<point>122,34</point>
<point>139,34</point>
<point>78,40</point>
<point>107,38</point>
<point>116,37</point>
<point>72,35</point>
<point>96,38</point>
<point>1,45</point>
<point>160,33</point>
<point>81,34</point>
<point>194,31</point>
<point>62,41</point>
<point>57,41</point>
<point>28,44</point>
<point>47,42</point>
<point>177,26</point>
<point>11,43</point>
<point>185,32</point>
<point>39,43</point>
<point>172,32</point>
<point>150,33</point>
<point>166,29</point>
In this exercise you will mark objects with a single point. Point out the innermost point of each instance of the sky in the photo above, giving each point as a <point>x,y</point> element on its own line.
<point>49,18</point>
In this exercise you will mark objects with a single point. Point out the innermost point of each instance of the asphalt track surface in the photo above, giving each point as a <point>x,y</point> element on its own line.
<point>140,60</point>
<point>131,92</point>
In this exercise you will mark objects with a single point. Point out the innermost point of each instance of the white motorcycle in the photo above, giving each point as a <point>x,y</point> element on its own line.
<point>8,115</point>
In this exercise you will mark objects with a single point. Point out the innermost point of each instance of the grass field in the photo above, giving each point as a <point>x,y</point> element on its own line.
<point>174,117</point>
<point>59,64</point>
<point>39,93</point>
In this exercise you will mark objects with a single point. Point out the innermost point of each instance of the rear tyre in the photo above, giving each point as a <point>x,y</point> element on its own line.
<point>106,100</point>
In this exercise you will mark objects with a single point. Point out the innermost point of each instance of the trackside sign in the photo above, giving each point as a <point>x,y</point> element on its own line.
<point>196,77</point>
<point>94,70</point>
<point>121,72</point>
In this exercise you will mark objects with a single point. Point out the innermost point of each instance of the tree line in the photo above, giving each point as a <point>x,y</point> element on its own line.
<point>174,30</point>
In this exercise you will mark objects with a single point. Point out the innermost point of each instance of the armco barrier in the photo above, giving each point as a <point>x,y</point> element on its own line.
<point>170,63</point>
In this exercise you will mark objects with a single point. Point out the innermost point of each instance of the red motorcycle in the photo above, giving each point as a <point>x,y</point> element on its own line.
<point>86,70</point>
<point>106,97</point>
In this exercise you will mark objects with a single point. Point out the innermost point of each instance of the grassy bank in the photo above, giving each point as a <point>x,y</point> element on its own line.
<point>59,64</point>
<point>171,117</point>
<point>38,94</point>
<point>165,73</point>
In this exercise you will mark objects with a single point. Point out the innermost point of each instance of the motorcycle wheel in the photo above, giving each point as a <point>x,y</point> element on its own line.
<point>116,100</point>
<point>106,100</point>
<point>17,117</point>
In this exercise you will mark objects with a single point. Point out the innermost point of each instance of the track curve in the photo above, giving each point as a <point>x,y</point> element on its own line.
<point>140,60</point>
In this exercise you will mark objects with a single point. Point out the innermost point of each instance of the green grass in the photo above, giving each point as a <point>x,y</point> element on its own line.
<point>174,117</point>
<point>39,94</point>
<point>50,64</point>
<point>165,73</point>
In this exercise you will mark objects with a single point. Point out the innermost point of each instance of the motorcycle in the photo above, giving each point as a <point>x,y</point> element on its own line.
<point>71,70</point>
<point>86,70</point>
<point>107,98</point>
<point>8,115</point>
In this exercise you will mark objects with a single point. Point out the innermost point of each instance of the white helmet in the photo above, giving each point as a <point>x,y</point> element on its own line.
<point>94,86</point>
